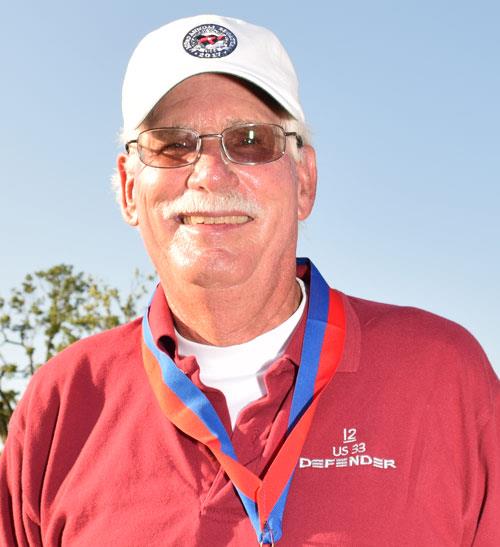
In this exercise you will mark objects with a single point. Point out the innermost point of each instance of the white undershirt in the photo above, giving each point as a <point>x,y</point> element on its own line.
<point>238,370</point>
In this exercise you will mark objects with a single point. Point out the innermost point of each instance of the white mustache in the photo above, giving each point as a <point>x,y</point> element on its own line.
<point>193,202</point>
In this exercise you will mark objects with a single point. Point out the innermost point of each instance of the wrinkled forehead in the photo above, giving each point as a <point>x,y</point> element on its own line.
<point>206,92</point>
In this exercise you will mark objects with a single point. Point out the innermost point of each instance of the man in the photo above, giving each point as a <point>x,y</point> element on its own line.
<point>251,404</point>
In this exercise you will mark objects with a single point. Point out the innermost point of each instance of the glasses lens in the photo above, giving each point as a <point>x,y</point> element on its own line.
<point>254,143</point>
<point>167,147</point>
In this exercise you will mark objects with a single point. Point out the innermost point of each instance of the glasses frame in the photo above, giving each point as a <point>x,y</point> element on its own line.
<point>220,136</point>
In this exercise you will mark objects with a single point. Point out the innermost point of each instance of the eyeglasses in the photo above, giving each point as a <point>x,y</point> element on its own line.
<point>246,144</point>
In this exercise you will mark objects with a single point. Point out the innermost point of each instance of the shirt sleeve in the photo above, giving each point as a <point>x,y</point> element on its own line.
<point>488,527</point>
<point>16,527</point>
<point>18,523</point>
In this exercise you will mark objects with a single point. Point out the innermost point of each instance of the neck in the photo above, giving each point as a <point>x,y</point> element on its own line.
<point>232,315</point>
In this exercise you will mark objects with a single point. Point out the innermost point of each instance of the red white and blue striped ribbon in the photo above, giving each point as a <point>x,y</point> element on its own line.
<point>186,406</point>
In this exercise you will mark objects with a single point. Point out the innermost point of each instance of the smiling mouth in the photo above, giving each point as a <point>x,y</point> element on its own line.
<point>202,219</point>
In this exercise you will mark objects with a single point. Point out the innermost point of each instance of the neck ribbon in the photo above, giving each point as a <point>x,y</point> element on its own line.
<point>263,497</point>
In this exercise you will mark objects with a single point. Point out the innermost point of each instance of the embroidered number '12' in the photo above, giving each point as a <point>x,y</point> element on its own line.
<point>350,435</point>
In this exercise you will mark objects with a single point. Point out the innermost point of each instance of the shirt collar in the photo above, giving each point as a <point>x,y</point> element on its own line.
<point>162,328</point>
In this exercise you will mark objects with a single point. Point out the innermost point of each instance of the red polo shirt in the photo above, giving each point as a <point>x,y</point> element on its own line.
<point>403,449</point>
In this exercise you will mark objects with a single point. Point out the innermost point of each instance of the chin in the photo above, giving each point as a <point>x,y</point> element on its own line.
<point>211,269</point>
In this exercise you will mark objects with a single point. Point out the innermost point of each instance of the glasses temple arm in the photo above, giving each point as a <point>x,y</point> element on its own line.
<point>300,140</point>
<point>127,145</point>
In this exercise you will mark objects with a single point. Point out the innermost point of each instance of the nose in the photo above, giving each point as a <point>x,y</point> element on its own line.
<point>212,171</point>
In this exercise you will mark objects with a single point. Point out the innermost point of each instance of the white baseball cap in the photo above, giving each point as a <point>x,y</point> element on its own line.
<point>206,43</point>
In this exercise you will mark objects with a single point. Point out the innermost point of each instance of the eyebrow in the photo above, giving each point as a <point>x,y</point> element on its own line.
<point>238,121</point>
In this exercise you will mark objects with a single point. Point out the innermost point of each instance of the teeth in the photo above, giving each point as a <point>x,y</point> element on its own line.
<point>215,220</point>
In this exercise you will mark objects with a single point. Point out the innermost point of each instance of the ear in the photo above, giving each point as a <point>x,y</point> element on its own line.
<point>127,182</point>
<point>306,189</point>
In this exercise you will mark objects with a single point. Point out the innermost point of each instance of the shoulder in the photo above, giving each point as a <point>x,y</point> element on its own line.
<point>84,374</point>
<point>94,352</point>
<point>410,325</point>
<point>418,346</point>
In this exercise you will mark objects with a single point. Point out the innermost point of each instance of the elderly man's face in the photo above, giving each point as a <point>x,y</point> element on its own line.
<point>252,236</point>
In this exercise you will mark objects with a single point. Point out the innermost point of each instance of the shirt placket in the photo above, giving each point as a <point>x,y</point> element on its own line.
<point>258,432</point>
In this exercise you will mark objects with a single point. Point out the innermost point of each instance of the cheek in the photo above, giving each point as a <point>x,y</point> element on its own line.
<point>155,188</point>
<point>280,218</point>
<point>162,183</point>
<point>282,193</point>
<point>276,184</point>
<point>154,228</point>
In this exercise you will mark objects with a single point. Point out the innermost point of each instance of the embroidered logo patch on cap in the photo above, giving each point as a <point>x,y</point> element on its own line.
<point>210,41</point>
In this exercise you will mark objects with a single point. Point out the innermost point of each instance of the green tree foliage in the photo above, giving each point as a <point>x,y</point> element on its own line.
<point>50,310</point>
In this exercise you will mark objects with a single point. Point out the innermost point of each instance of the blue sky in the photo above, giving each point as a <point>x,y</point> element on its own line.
<point>402,99</point>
